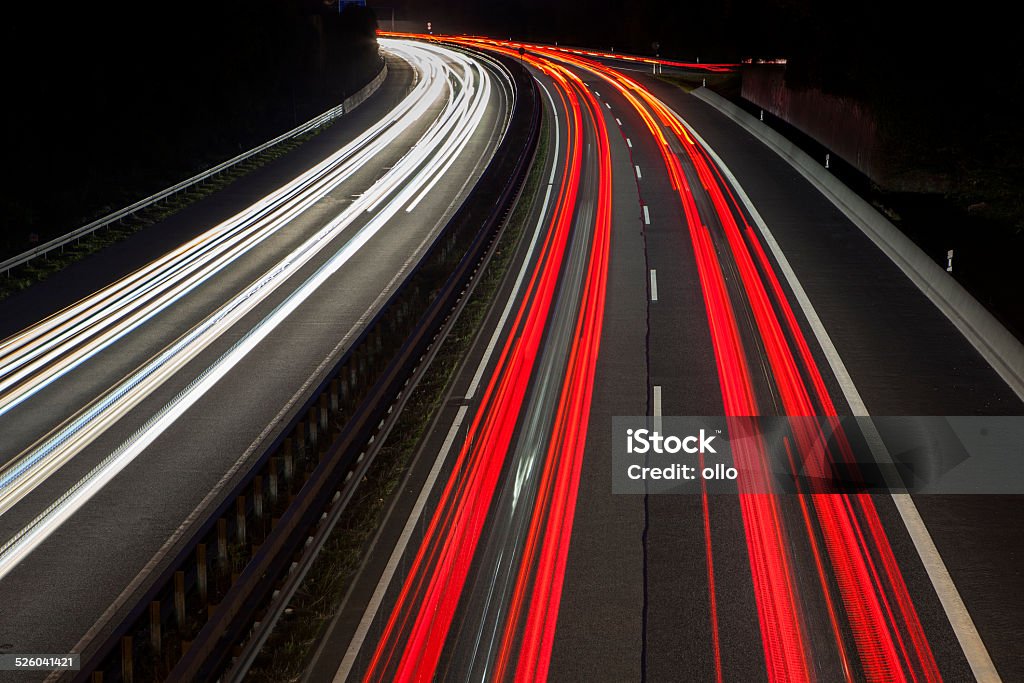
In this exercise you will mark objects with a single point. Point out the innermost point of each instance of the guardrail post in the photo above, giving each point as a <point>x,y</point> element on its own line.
<point>222,543</point>
<point>335,407</point>
<point>314,422</point>
<point>126,659</point>
<point>240,520</point>
<point>274,464</point>
<point>325,399</point>
<point>345,386</point>
<point>353,372</point>
<point>289,461</point>
<point>257,497</point>
<point>300,437</point>
<point>179,601</point>
<point>154,626</point>
<point>361,368</point>
<point>201,582</point>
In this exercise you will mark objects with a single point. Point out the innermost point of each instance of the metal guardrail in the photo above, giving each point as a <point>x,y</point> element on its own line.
<point>346,106</point>
<point>200,603</point>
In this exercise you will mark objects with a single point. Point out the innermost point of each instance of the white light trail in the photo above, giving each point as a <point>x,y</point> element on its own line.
<point>41,354</point>
<point>446,137</point>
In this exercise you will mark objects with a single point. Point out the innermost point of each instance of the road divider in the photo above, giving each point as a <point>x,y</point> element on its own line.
<point>258,533</point>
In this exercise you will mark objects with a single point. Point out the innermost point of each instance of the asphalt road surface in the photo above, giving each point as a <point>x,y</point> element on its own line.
<point>290,261</point>
<point>693,267</point>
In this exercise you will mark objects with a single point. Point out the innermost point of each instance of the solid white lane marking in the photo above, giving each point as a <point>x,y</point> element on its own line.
<point>385,580</point>
<point>493,341</point>
<point>952,603</point>
<point>638,173</point>
<point>654,285</point>
<point>647,215</point>
<point>396,556</point>
<point>478,376</point>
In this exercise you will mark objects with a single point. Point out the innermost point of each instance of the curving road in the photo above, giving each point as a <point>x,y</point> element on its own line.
<point>674,266</point>
<point>127,411</point>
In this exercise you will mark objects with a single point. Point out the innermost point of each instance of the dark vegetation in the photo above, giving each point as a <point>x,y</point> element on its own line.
<point>946,80</point>
<point>947,88</point>
<point>946,85</point>
<point>106,103</point>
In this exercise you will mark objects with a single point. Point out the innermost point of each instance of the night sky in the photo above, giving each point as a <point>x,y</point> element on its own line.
<point>95,83</point>
<point>727,29</point>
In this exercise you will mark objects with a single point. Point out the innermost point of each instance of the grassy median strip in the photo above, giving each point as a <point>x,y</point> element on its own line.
<point>287,651</point>
<point>42,267</point>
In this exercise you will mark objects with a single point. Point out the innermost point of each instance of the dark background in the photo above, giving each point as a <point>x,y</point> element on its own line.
<point>949,75</point>
<point>108,102</point>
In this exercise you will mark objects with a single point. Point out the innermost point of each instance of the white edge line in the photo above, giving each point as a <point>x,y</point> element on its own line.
<point>968,324</point>
<point>960,619</point>
<point>377,598</point>
<point>514,294</point>
<point>355,645</point>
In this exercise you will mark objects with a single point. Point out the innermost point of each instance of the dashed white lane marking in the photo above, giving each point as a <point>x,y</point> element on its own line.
<point>654,285</point>
<point>618,120</point>
<point>647,216</point>
<point>629,142</point>
<point>639,175</point>
<point>657,407</point>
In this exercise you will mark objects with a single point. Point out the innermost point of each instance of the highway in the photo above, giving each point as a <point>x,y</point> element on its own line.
<point>136,384</point>
<point>671,265</point>
<point>674,266</point>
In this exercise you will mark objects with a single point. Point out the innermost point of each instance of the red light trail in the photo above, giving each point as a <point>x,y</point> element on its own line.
<point>425,608</point>
<point>876,631</point>
<point>853,555</point>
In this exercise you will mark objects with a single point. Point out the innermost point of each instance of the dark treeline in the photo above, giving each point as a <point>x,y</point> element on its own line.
<point>946,80</point>
<point>858,47</point>
<point>108,102</point>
